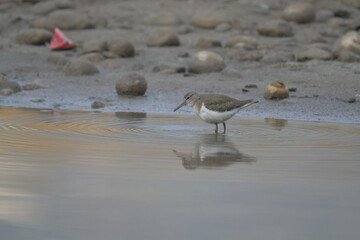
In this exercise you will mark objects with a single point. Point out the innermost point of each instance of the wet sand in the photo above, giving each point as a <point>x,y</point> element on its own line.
<point>91,175</point>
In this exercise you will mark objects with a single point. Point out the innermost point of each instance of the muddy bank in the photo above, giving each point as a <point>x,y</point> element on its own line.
<point>326,84</point>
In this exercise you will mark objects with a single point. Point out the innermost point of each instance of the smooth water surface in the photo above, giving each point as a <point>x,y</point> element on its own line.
<point>84,175</point>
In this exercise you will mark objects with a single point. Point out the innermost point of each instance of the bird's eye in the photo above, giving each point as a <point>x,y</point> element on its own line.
<point>187,98</point>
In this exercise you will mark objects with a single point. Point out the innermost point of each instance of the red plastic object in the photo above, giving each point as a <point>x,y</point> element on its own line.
<point>59,41</point>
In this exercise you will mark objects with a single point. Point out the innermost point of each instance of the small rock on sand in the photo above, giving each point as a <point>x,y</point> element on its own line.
<point>205,62</point>
<point>164,37</point>
<point>57,58</point>
<point>34,36</point>
<point>276,90</point>
<point>132,85</point>
<point>121,48</point>
<point>6,91</point>
<point>68,20</point>
<point>13,86</point>
<point>80,67</point>
<point>312,53</point>
<point>299,12</point>
<point>94,46</point>
<point>97,105</point>
<point>275,28</point>
<point>92,57</point>
<point>208,20</point>
<point>347,48</point>
<point>241,41</point>
<point>207,42</point>
<point>49,6</point>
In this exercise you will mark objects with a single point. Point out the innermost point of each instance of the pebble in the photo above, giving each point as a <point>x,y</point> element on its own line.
<point>50,6</point>
<point>206,62</point>
<point>347,48</point>
<point>275,28</point>
<point>223,27</point>
<point>207,42</point>
<point>162,18</point>
<point>57,58</point>
<point>312,53</point>
<point>342,13</point>
<point>231,72</point>
<point>121,48</point>
<point>208,20</point>
<point>276,90</point>
<point>94,45</point>
<point>299,12</point>
<point>164,37</point>
<point>80,67</point>
<point>6,91</point>
<point>241,41</point>
<point>39,100</point>
<point>13,86</point>
<point>169,68</point>
<point>251,86</point>
<point>292,89</point>
<point>132,84</point>
<point>351,100</point>
<point>92,57</point>
<point>30,86</point>
<point>68,20</point>
<point>34,36</point>
<point>2,77</point>
<point>97,105</point>
<point>309,36</point>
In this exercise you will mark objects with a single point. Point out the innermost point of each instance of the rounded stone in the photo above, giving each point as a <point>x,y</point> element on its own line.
<point>57,58</point>
<point>299,12</point>
<point>162,18</point>
<point>349,42</point>
<point>133,85</point>
<point>94,46</point>
<point>312,53</point>
<point>6,91</point>
<point>80,67</point>
<point>206,62</point>
<point>49,6</point>
<point>69,20</point>
<point>208,20</point>
<point>121,48</point>
<point>308,36</point>
<point>13,86</point>
<point>275,28</point>
<point>241,41</point>
<point>97,105</point>
<point>276,90</point>
<point>164,37</point>
<point>34,36</point>
<point>92,57</point>
<point>207,42</point>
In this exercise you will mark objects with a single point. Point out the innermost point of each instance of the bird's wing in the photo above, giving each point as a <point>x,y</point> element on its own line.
<point>222,103</point>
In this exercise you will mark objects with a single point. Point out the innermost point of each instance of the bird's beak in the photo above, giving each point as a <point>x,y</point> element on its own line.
<point>182,104</point>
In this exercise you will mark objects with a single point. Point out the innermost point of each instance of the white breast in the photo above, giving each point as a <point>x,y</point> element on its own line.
<point>210,116</point>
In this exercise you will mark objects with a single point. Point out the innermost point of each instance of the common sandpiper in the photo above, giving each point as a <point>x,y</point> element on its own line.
<point>214,108</point>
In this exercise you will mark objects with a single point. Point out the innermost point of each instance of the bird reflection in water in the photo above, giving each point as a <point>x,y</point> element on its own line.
<point>213,151</point>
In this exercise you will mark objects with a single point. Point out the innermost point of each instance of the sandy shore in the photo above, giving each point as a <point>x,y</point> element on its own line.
<point>325,90</point>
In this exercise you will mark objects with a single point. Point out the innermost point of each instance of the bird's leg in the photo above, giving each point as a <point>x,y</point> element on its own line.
<point>224,127</point>
<point>216,128</point>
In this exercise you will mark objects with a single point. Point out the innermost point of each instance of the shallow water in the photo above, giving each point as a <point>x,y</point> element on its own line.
<point>85,175</point>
